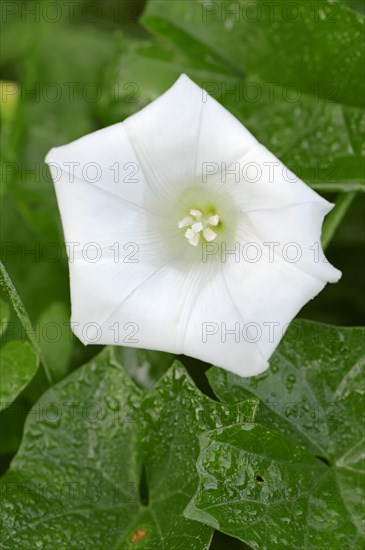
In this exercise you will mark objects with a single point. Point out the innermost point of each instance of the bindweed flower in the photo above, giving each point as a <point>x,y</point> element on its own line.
<point>186,235</point>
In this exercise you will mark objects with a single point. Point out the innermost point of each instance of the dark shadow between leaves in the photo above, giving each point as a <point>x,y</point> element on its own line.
<point>143,487</point>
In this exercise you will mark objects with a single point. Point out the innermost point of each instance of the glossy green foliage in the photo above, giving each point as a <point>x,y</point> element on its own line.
<point>297,474</point>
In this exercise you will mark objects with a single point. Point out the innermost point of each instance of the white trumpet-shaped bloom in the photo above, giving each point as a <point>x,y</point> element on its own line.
<point>184,234</point>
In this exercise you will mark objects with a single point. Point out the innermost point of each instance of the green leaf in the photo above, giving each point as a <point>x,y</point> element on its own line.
<point>142,70</point>
<point>269,492</point>
<point>174,413</point>
<point>312,399</point>
<point>55,338</point>
<point>77,476</point>
<point>18,365</point>
<point>282,78</point>
<point>59,87</point>
<point>312,374</point>
<point>247,36</point>
<point>4,316</point>
<point>355,5</point>
<point>39,269</point>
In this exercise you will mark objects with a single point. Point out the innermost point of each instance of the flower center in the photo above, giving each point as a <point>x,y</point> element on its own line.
<point>199,224</point>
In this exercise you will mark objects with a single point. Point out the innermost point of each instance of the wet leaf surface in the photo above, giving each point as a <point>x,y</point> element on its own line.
<point>285,88</point>
<point>77,480</point>
<point>298,474</point>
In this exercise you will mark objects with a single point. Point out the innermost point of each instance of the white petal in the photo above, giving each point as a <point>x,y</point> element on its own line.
<point>158,309</point>
<point>263,182</point>
<point>111,252</point>
<point>214,331</point>
<point>280,211</point>
<point>89,214</point>
<point>170,311</point>
<point>105,159</point>
<point>269,296</point>
<point>293,235</point>
<point>180,132</point>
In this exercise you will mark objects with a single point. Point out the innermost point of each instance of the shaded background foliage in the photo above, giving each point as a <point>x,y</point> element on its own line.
<point>118,56</point>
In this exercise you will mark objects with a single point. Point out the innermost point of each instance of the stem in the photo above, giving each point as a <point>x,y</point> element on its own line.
<point>335,217</point>
<point>7,285</point>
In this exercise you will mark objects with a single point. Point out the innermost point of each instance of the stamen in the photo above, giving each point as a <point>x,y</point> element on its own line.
<point>189,233</point>
<point>195,240</point>
<point>196,213</point>
<point>185,222</point>
<point>197,225</point>
<point>213,220</point>
<point>209,235</point>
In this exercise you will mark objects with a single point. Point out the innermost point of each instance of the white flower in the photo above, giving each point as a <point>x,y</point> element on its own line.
<point>186,235</point>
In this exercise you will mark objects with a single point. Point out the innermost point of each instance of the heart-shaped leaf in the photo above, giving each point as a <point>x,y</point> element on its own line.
<point>78,478</point>
<point>308,446</point>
